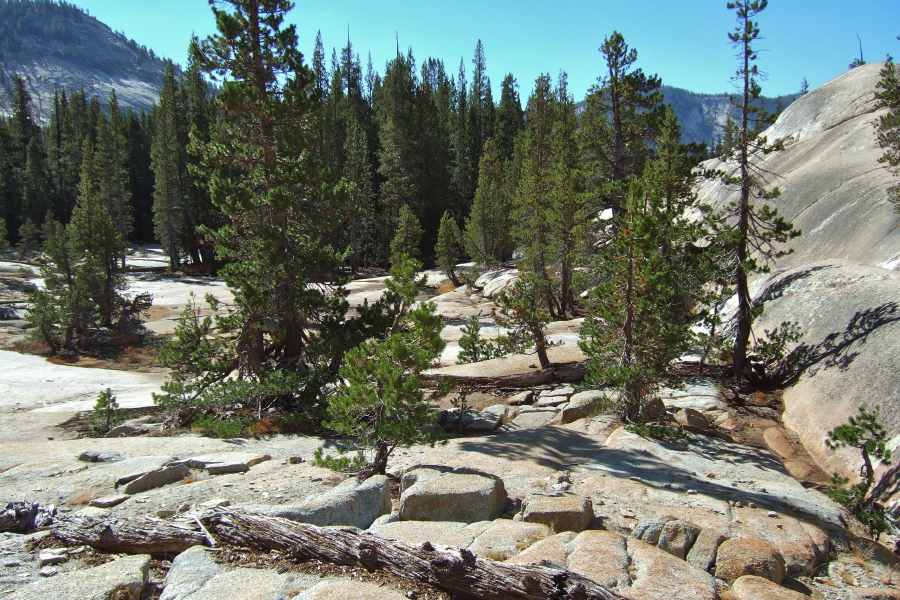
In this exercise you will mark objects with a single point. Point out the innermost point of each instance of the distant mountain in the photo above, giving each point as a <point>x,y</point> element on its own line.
<point>57,46</point>
<point>702,116</point>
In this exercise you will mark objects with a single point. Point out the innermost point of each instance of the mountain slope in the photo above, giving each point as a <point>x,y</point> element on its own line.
<point>56,46</point>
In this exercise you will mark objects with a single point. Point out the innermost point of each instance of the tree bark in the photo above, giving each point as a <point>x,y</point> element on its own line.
<point>569,372</point>
<point>459,572</point>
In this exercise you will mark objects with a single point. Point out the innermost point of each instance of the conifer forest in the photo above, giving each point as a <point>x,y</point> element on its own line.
<point>289,175</point>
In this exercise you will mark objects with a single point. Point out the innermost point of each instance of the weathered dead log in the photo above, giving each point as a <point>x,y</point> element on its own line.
<point>457,571</point>
<point>569,372</point>
<point>133,536</point>
<point>25,517</point>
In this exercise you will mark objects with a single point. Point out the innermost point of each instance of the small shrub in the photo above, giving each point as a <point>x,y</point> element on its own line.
<point>867,434</point>
<point>340,463</point>
<point>107,413</point>
<point>663,433</point>
<point>225,428</point>
<point>473,348</point>
<point>770,352</point>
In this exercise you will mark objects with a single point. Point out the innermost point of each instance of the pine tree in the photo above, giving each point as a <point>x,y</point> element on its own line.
<point>630,335</point>
<point>568,210</point>
<point>448,248</point>
<point>510,118</point>
<point>281,206</point>
<point>481,108</point>
<point>888,125</point>
<point>407,238</point>
<point>400,153</point>
<point>36,197</point>
<point>464,170</point>
<point>531,213</point>
<point>620,118</point>
<point>169,164</point>
<point>110,161</point>
<point>380,398</point>
<point>487,233</point>
<point>748,231</point>
<point>200,210</point>
<point>22,132</point>
<point>83,289</point>
<point>521,312</point>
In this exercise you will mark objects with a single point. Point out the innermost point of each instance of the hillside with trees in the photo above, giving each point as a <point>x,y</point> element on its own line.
<point>56,46</point>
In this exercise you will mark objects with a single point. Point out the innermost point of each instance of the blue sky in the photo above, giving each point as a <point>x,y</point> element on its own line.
<point>685,43</point>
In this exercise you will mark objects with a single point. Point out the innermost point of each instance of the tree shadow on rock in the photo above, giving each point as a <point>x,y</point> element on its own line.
<point>558,448</point>
<point>780,285</point>
<point>841,348</point>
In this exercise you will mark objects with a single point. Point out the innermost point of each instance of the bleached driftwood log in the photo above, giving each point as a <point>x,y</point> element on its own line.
<point>457,571</point>
<point>569,372</point>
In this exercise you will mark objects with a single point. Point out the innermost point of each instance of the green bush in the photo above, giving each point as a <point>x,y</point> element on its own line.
<point>225,428</point>
<point>107,413</point>
<point>473,348</point>
<point>867,434</point>
<point>340,463</point>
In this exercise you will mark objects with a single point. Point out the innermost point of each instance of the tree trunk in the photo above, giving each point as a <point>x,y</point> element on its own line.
<point>570,372</point>
<point>459,572</point>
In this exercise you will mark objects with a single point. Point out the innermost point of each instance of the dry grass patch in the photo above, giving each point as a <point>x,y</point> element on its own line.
<point>445,287</point>
<point>82,499</point>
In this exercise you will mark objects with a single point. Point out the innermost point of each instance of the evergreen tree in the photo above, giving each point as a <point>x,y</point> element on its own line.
<point>487,233</point>
<point>510,118</point>
<point>531,212</point>
<point>83,289</point>
<point>363,225</point>
<point>200,210</point>
<point>448,248</point>
<point>620,118</point>
<point>22,131</point>
<point>632,334</point>
<point>521,312</point>
<point>169,163</point>
<point>407,238</point>
<point>380,398</point>
<point>400,155</point>
<point>888,125</point>
<point>36,198</point>
<point>481,108</point>
<point>464,166</point>
<point>567,214</point>
<point>283,331</point>
<point>29,241</point>
<point>748,231</point>
<point>111,160</point>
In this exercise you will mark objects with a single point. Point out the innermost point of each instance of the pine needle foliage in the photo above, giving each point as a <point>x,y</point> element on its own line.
<point>279,343</point>
<point>751,232</point>
<point>520,309</point>
<point>106,413</point>
<point>636,325</point>
<point>888,126</point>
<point>448,250</point>
<point>865,433</point>
<point>380,398</point>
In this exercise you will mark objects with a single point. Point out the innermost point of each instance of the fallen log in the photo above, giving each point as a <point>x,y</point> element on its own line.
<point>25,517</point>
<point>132,536</point>
<point>459,572</point>
<point>569,372</point>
